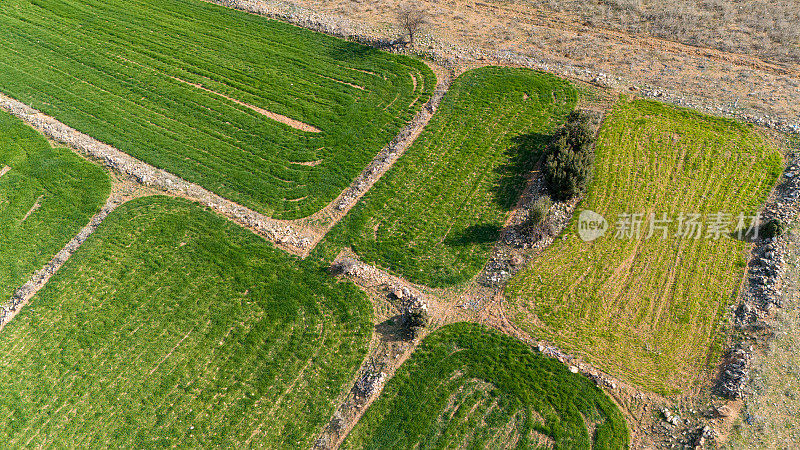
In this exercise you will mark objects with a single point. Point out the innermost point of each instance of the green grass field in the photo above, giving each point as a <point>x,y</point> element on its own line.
<point>649,310</point>
<point>470,387</point>
<point>172,326</point>
<point>46,196</point>
<point>146,76</point>
<point>435,215</point>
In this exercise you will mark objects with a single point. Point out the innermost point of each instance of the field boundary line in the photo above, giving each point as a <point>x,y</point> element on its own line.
<point>355,403</point>
<point>335,211</point>
<point>36,205</point>
<point>283,233</point>
<point>172,350</point>
<point>4,170</point>
<point>39,278</point>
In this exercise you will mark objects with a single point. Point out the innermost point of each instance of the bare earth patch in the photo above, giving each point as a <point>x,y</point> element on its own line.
<point>296,124</point>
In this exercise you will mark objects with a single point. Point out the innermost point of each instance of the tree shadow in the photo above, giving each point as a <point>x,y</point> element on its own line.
<point>482,233</point>
<point>360,49</point>
<point>391,330</point>
<point>743,235</point>
<point>524,153</point>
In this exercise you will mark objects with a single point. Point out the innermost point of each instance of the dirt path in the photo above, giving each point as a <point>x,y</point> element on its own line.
<point>294,236</point>
<point>286,235</point>
<point>388,348</point>
<point>323,220</point>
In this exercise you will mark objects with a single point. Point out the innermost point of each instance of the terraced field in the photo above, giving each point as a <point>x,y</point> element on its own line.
<point>172,326</point>
<point>435,215</point>
<point>46,196</point>
<point>469,387</point>
<point>275,117</point>
<point>648,310</point>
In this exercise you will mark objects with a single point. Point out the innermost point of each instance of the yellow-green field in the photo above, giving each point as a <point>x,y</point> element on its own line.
<point>648,310</point>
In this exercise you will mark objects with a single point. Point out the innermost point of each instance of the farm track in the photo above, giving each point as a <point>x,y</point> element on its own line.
<point>281,232</point>
<point>445,309</point>
<point>300,236</point>
<point>385,159</point>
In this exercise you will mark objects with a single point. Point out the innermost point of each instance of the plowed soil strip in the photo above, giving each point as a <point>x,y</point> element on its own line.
<point>274,116</point>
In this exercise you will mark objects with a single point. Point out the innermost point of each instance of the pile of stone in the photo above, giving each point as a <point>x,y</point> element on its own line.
<point>734,374</point>
<point>703,434</point>
<point>354,268</point>
<point>415,315</point>
<point>370,383</point>
<point>673,419</point>
<point>765,270</point>
<point>410,299</point>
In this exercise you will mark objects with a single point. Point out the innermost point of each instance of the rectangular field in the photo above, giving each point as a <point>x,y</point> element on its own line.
<point>273,116</point>
<point>172,326</point>
<point>648,309</point>
<point>46,196</point>
<point>435,215</point>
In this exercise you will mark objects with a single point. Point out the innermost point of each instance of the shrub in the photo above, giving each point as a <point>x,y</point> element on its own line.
<point>538,212</point>
<point>773,228</point>
<point>414,320</point>
<point>568,165</point>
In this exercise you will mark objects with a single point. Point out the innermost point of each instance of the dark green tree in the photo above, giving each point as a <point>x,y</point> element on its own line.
<point>569,161</point>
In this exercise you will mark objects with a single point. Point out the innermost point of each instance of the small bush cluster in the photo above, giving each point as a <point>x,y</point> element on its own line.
<point>773,228</point>
<point>414,321</point>
<point>568,165</point>
<point>537,212</point>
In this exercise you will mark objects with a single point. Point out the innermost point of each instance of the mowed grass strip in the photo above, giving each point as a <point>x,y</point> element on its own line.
<point>435,215</point>
<point>172,326</point>
<point>183,85</point>
<point>467,386</point>
<point>46,196</point>
<point>648,310</point>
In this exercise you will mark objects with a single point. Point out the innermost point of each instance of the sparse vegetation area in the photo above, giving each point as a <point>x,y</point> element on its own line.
<point>537,212</point>
<point>470,387</point>
<point>767,28</point>
<point>436,214</point>
<point>172,326</point>
<point>647,309</point>
<point>46,196</point>
<point>272,116</point>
